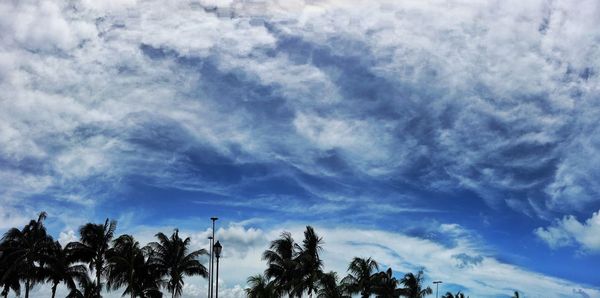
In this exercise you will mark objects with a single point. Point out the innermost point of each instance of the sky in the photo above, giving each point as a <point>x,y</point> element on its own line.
<point>457,137</point>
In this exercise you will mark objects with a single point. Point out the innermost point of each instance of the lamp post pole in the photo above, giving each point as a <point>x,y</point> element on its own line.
<point>217,250</point>
<point>437,283</point>
<point>210,243</point>
<point>212,257</point>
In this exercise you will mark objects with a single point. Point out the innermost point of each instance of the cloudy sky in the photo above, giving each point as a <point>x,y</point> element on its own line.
<point>461,137</point>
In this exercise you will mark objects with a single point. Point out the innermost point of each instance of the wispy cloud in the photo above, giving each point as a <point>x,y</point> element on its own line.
<point>354,110</point>
<point>496,101</point>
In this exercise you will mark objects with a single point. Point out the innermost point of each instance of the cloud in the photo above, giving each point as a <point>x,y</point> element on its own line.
<point>465,260</point>
<point>304,108</point>
<point>11,218</point>
<point>569,231</point>
<point>66,237</point>
<point>581,293</point>
<point>483,97</point>
<point>34,19</point>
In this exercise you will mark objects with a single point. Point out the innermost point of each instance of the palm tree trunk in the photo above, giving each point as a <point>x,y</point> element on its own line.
<point>27,288</point>
<point>131,285</point>
<point>54,289</point>
<point>98,273</point>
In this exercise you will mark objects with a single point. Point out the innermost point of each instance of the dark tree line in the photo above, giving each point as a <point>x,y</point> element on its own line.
<point>30,256</point>
<point>296,270</point>
<point>98,261</point>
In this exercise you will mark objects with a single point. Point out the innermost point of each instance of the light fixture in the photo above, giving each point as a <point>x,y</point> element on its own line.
<point>217,250</point>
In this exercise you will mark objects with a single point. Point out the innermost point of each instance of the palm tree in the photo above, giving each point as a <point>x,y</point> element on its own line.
<point>60,268</point>
<point>8,281</point>
<point>149,277</point>
<point>171,257</point>
<point>261,287</point>
<point>87,289</point>
<point>386,285</point>
<point>127,266</point>
<point>125,260</point>
<point>26,252</point>
<point>310,265</point>
<point>360,279</point>
<point>281,263</point>
<point>330,288</point>
<point>457,295</point>
<point>413,285</point>
<point>94,243</point>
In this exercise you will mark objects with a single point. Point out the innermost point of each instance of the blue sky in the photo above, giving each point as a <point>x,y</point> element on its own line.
<point>461,137</point>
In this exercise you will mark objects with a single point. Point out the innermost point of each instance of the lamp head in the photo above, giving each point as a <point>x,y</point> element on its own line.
<point>217,248</point>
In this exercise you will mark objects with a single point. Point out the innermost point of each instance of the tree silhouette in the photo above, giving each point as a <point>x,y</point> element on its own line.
<point>172,258</point>
<point>128,267</point>
<point>149,278</point>
<point>26,252</point>
<point>9,280</point>
<point>360,277</point>
<point>60,268</point>
<point>330,288</point>
<point>31,256</point>
<point>310,265</point>
<point>457,295</point>
<point>94,242</point>
<point>413,285</point>
<point>261,287</point>
<point>386,285</point>
<point>281,263</point>
<point>87,289</point>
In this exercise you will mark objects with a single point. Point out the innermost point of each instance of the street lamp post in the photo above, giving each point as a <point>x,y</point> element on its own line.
<point>437,283</point>
<point>217,249</point>
<point>211,267</point>
<point>210,243</point>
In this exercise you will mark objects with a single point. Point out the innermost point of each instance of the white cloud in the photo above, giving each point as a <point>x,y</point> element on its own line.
<point>66,237</point>
<point>367,142</point>
<point>108,6</point>
<point>496,97</point>
<point>87,159</point>
<point>40,25</point>
<point>481,95</point>
<point>11,217</point>
<point>16,184</point>
<point>569,231</point>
